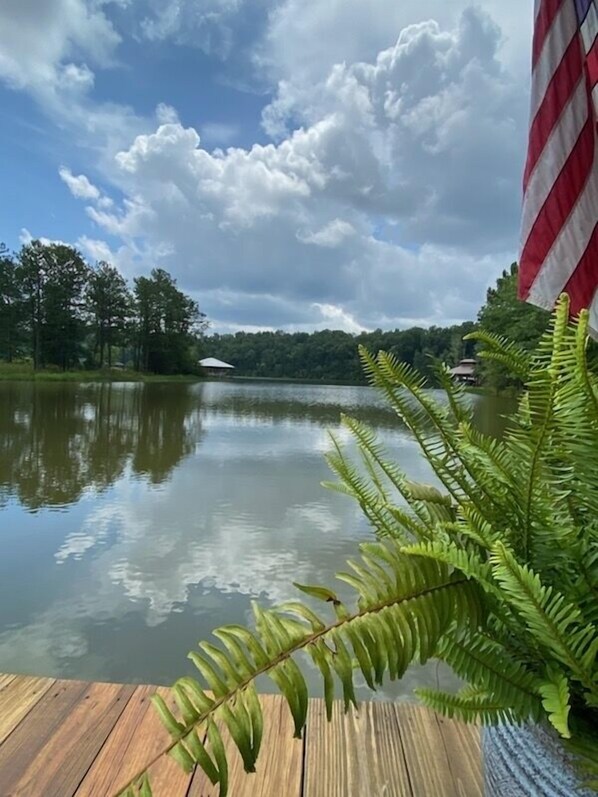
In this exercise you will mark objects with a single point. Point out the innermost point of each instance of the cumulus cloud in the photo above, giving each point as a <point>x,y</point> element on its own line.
<point>205,24</point>
<point>50,50</point>
<point>354,30</point>
<point>390,191</point>
<point>38,41</point>
<point>390,197</point>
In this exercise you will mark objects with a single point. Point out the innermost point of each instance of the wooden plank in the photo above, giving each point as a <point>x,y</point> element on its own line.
<point>67,731</point>
<point>61,738</point>
<point>23,746</point>
<point>137,737</point>
<point>355,755</point>
<point>5,680</point>
<point>463,747</point>
<point>279,767</point>
<point>425,752</point>
<point>18,695</point>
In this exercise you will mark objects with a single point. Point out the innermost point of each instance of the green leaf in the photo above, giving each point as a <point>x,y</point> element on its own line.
<point>215,740</point>
<point>181,755</point>
<point>321,593</point>
<point>168,720</point>
<point>555,699</point>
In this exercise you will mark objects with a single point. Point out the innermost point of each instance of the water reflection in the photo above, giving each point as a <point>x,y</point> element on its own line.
<point>59,440</point>
<point>179,504</point>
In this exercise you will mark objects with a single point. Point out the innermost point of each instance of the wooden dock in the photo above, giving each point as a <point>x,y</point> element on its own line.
<point>79,739</point>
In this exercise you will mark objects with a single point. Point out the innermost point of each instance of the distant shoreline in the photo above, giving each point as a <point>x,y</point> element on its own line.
<point>23,373</point>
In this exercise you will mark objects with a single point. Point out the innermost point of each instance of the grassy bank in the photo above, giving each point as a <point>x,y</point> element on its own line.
<point>23,372</point>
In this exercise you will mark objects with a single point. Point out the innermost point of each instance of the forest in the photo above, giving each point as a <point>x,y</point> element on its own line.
<point>57,311</point>
<point>332,355</point>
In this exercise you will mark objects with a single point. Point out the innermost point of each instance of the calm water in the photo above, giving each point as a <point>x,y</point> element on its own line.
<point>135,518</point>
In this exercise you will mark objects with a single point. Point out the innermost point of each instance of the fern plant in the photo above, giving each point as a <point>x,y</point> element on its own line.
<point>495,573</point>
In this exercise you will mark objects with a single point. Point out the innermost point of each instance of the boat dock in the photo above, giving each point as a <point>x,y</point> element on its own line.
<point>78,739</point>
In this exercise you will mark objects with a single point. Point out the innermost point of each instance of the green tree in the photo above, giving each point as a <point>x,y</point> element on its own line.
<point>110,304</point>
<point>167,325</point>
<point>64,306</point>
<point>53,278</point>
<point>12,319</point>
<point>507,316</point>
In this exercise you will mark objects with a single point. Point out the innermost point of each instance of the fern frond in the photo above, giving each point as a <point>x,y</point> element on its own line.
<point>556,624</point>
<point>503,351</point>
<point>398,618</point>
<point>480,708</point>
<point>555,699</point>
<point>488,667</point>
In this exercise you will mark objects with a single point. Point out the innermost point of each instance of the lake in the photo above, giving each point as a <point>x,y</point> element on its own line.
<point>135,518</point>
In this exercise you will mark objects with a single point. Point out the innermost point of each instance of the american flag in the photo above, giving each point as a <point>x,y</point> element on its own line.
<point>560,207</point>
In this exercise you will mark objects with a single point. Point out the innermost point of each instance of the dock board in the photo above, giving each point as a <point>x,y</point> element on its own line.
<point>77,739</point>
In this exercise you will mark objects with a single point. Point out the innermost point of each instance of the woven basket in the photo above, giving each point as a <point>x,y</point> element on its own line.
<point>528,761</point>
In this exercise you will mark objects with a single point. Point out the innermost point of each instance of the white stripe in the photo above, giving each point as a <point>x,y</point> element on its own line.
<point>595,99</point>
<point>569,247</point>
<point>554,156</point>
<point>589,29</point>
<point>563,29</point>
<point>594,315</point>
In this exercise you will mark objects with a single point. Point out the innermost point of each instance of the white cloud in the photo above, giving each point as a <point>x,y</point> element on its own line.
<point>26,237</point>
<point>95,250</point>
<point>79,185</point>
<point>50,49</point>
<point>331,235</point>
<point>393,196</point>
<point>354,30</point>
<point>166,114</point>
<point>338,318</point>
<point>39,40</point>
<point>200,23</point>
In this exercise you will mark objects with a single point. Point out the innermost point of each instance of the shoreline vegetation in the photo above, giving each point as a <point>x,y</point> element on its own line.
<point>24,372</point>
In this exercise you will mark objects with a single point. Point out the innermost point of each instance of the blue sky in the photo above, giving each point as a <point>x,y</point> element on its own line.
<point>298,164</point>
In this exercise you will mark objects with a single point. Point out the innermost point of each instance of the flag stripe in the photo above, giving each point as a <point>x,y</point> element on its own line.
<point>561,87</point>
<point>592,65</point>
<point>582,282</point>
<point>564,29</point>
<point>554,157</point>
<point>558,206</point>
<point>582,7</point>
<point>548,11</point>
<point>594,313</point>
<point>559,230</point>
<point>568,248</point>
<point>589,29</point>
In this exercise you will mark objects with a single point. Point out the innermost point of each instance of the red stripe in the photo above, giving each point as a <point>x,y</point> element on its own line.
<point>555,211</point>
<point>559,92</point>
<point>592,65</point>
<point>582,283</point>
<point>544,20</point>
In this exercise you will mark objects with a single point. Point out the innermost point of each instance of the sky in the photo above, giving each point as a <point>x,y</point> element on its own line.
<point>295,164</point>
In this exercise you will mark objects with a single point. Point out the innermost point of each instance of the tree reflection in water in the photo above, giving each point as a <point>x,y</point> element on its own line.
<point>59,440</point>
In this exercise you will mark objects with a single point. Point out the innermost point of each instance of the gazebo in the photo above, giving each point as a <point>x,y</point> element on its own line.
<point>215,367</point>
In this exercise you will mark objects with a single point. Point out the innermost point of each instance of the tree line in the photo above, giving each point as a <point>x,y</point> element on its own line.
<point>332,355</point>
<point>59,311</point>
